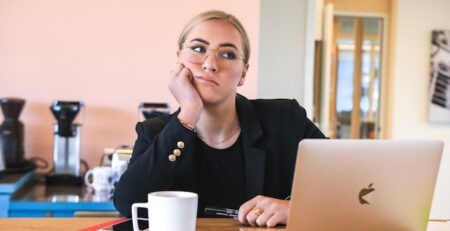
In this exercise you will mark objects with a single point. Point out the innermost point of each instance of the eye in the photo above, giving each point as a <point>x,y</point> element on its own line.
<point>198,49</point>
<point>228,55</point>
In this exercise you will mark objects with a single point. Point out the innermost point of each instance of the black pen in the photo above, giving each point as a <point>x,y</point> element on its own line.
<point>225,212</point>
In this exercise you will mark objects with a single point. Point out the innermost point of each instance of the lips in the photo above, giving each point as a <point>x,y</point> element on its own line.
<point>206,80</point>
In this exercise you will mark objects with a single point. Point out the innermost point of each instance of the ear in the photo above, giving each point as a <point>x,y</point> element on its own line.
<point>244,74</point>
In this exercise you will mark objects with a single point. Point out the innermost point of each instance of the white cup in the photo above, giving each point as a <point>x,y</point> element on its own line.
<point>102,180</point>
<point>168,211</point>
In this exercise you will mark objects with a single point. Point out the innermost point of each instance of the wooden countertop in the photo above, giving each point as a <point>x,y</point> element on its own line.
<point>203,224</point>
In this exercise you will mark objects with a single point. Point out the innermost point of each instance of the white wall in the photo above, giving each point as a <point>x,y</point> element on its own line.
<point>286,48</point>
<point>414,22</point>
<point>283,37</point>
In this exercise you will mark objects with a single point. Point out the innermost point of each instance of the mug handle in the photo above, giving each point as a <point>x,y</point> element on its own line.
<point>134,215</point>
<point>86,178</point>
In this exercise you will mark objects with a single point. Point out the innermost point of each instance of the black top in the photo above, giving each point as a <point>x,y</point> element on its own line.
<point>222,181</point>
<point>270,132</point>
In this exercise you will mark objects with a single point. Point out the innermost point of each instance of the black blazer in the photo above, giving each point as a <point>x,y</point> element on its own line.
<point>270,130</point>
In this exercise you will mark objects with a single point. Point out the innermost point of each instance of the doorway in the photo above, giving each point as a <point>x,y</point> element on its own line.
<point>356,77</point>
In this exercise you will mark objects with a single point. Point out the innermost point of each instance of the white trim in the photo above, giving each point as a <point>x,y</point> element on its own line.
<point>383,115</point>
<point>326,74</point>
<point>308,79</point>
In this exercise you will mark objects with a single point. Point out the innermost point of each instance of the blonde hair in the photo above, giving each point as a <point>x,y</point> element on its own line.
<point>217,15</point>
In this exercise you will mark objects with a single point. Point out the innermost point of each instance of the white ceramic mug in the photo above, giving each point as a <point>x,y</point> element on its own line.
<point>168,211</point>
<point>102,179</point>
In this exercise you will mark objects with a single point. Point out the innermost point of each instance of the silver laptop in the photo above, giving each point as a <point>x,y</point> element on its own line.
<point>365,185</point>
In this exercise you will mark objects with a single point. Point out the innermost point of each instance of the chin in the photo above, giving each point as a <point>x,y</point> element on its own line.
<point>210,97</point>
<point>210,100</point>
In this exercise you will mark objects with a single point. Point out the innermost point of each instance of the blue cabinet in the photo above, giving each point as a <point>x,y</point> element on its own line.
<point>10,183</point>
<point>30,197</point>
<point>60,209</point>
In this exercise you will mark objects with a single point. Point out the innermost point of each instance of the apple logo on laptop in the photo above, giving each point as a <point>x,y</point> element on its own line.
<point>364,195</point>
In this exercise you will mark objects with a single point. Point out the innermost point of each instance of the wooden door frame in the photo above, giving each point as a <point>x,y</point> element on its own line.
<point>384,86</point>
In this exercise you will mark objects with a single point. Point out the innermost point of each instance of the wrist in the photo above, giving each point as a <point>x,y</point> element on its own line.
<point>187,125</point>
<point>189,116</point>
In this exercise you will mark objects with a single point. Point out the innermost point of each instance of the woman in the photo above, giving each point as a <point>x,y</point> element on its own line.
<point>234,152</point>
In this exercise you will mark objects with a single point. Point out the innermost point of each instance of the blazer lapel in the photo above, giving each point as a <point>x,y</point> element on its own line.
<point>254,158</point>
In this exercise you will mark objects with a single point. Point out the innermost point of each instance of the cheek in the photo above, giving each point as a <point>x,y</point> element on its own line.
<point>194,68</point>
<point>235,74</point>
<point>181,59</point>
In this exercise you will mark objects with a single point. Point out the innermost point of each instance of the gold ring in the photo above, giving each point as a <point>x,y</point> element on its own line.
<point>257,211</point>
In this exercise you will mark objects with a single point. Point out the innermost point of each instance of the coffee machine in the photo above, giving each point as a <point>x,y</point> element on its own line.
<point>66,146</point>
<point>12,136</point>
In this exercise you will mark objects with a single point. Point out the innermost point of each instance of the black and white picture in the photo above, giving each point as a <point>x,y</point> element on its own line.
<point>439,108</point>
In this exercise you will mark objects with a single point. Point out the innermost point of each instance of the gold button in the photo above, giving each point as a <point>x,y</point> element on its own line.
<point>180,144</point>
<point>172,158</point>
<point>177,152</point>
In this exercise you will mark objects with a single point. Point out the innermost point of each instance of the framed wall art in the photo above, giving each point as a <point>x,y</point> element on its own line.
<point>439,98</point>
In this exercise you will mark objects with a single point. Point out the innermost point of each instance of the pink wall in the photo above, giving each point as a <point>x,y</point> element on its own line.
<point>111,54</point>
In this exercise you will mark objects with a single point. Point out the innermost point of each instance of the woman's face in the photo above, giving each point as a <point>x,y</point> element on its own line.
<point>214,54</point>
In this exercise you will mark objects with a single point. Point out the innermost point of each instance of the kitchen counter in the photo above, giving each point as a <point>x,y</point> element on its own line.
<point>9,183</point>
<point>36,199</point>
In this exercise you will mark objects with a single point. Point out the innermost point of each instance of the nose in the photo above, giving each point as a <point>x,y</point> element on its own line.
<point>210,63</point>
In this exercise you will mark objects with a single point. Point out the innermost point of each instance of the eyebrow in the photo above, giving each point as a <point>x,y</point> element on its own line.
<point>220,45</point>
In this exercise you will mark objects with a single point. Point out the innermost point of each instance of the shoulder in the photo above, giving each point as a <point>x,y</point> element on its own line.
<point>278,107</point>
<point>279,116</point>
<point>269,110</point>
